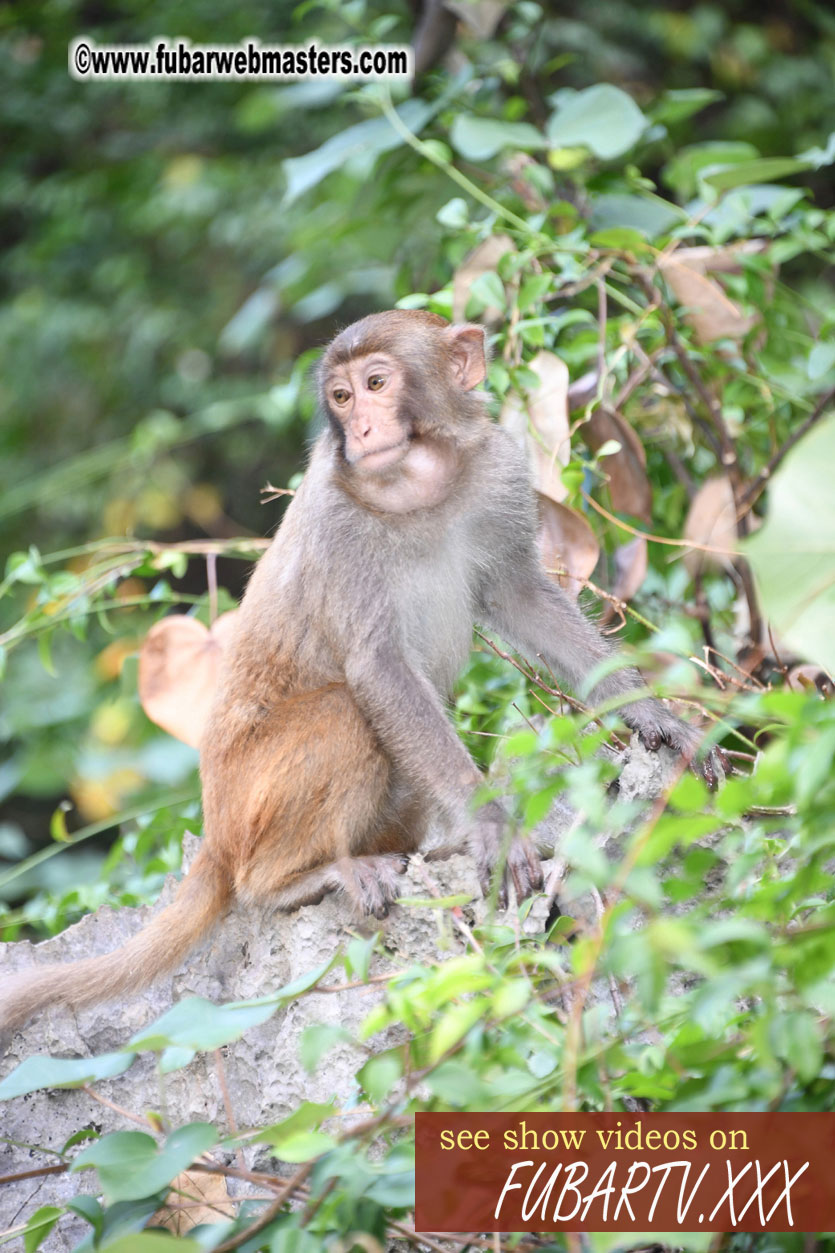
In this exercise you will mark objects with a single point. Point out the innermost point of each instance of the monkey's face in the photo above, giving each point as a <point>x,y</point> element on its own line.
<point>394,380</point>
<point>365,399</point>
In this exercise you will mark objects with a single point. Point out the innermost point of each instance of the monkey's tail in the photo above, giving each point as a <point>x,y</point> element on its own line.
<point>160,946</point>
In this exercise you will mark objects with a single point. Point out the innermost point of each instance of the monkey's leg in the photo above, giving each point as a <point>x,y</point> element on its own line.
<point>315,811</point>
<point>371,883</point>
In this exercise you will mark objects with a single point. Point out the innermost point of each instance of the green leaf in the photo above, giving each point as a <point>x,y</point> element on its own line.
<point>308,1115</point>
<point>602,118</point>
<point>78,1137</point>
<point>294,1240</point>
<point>533,290</point>
<point>624,238</point>
<point>39,1226</point>
<point>457,1084</point>
<point>394,1191</point>
<point>486,292</point>
<point>150,1242</point>
<point>762,170</point>
<point>793,553</point>
<point>677,106</point>
<point>796,1039</point>
<point>361,145</point>
<point>511,998</point>
<point>172,1059</point>
<point>131,1164</point>
<point>380,1073</point>
<point>317,1039</point>
<point>62,1072</point>
<point>683,172</point>
<point>200,1025</point>
<point>480,138</point>
<point>304,1146</point>
<point>650,215</point>
<point>58,824</point>
<point>454,1025</point>
<point>455,214</point>
<point>821,360</point>
<point>358,955</point>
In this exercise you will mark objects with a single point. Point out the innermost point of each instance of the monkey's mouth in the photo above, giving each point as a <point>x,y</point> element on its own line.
<point>380,458</point>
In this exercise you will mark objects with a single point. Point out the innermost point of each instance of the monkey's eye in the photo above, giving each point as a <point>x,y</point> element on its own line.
<point>341,395</point>
<point>376,382</point>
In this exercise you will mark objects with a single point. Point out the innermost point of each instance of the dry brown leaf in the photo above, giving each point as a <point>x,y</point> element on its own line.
<point>485,257</point>
<point>629,487</point>
<point>178,666</point>
<point>711,313</point>
<point>711,521</point>
<point>567,544</point>
<point>545,409</point>
<point>708,259</point>
<point>631,562</point>
<point>180,1212</point>
<point>629,491</point>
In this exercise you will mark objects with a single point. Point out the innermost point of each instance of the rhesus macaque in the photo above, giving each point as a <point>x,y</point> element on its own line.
<point>328,751</point>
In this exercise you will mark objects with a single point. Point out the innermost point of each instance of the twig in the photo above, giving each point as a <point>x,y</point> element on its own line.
<point>269,1213</point>
<point>145,1123</point>
<point>655,539</point>
<point>35,1173</point>
<point>416,1238</point>
<point>231,1120</point>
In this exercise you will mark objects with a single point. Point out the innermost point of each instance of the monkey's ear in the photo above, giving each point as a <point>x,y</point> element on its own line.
<point>466,347</point>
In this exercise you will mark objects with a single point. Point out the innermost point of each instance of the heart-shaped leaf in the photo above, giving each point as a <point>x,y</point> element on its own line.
<point>178,667</point>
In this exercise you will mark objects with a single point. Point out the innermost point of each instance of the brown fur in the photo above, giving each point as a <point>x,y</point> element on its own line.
<point>201,899</point>
<point>328,749</point>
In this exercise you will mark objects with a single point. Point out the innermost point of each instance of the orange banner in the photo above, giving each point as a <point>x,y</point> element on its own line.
<point>625,1172</point>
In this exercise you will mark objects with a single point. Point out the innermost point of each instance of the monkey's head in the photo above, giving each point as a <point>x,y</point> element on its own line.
<point>392,378</point>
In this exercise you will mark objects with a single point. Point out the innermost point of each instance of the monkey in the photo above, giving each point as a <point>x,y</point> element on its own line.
<point>328,751</point>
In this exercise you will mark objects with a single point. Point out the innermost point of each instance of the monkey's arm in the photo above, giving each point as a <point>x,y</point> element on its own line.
<point>408,717</point>
<point>534,615</point>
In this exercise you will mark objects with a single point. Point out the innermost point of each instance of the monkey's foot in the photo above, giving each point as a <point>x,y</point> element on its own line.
<point>662,727</point>
<point>372,882</point>
<point>519,864</point>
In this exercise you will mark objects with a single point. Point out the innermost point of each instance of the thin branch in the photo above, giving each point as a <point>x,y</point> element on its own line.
<point>118,1109</point>
<point>272,1211</point>
<point>35,1173</point>
<point>655,539</point>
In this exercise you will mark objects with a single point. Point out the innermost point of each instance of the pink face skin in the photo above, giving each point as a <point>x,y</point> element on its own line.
<point>364,395</point>
<point>392,469</point>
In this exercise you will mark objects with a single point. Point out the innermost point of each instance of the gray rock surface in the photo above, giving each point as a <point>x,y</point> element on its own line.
<point>255,952</point>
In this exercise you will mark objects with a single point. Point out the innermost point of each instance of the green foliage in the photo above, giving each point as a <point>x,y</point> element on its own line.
<point>131,1166</point>
<point>793,555</point>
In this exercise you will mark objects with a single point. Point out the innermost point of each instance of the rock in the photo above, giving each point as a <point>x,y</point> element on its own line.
<point>256,951</point>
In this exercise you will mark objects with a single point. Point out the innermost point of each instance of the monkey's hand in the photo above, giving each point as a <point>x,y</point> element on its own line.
<point>517,860</point>
<point>655,725</point>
